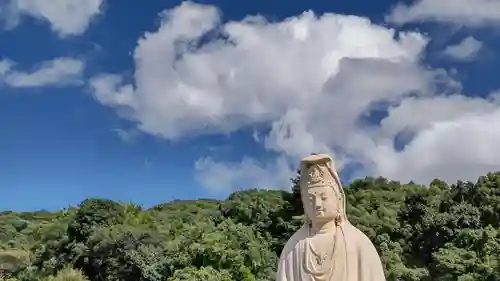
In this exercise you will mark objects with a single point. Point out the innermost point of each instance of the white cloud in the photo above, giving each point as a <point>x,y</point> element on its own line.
<point>461,147</point>
<point>66,17</point>
<point>57,72</point>
<point>408,114</point>
<point>127,135</point>
<point>5,66</point>
<point>265,72</point>
<point>221,176</point>
<point>311,79</point>
<point>466,50</point>
<point>460,12</point>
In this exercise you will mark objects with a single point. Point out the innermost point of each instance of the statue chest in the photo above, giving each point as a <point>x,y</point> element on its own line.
<point>322,240</point>
<point>319,256</point>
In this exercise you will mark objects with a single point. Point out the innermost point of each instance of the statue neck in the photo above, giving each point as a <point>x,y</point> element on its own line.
<point>320,227</point>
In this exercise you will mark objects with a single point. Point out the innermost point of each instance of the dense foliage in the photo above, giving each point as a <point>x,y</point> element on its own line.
<point>438,232</point>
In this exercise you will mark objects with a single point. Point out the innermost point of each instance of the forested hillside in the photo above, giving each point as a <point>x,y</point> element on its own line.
<point>438,232</point>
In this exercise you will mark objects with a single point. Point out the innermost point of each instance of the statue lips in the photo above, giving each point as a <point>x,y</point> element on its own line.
<point>320,212</point>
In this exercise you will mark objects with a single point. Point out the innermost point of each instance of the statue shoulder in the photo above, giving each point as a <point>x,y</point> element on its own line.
<point>368,254</point>
<point>363,242</point>
<point>298,236</point>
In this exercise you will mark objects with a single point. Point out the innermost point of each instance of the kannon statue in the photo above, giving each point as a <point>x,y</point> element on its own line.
<point>327,247</point>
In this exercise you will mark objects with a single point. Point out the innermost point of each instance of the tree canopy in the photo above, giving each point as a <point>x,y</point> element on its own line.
<point>438,232</point>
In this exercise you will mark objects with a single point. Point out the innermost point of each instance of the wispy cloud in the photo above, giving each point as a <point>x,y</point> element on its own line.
<point>57,72</point>
<point>221,177</point>
<point>466,50</point>
<point>128,135</point>
<point>460,12</point>
<point>66,17</point>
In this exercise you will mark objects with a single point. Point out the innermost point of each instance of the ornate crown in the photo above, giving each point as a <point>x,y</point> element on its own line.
<point>316,171</point>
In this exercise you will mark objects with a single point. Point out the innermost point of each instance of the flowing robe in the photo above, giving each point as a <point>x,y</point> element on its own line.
<point>355,257</point>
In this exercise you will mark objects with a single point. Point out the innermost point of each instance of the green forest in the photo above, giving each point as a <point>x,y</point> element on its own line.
<point>438,232</point>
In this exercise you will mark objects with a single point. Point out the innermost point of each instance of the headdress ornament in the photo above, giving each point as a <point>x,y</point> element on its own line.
<point>316,171</point>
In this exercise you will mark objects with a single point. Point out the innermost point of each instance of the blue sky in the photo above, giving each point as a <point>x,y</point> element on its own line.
<point>109,100</point>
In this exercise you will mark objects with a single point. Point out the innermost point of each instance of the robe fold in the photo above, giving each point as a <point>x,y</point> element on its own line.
<point>355,257</point>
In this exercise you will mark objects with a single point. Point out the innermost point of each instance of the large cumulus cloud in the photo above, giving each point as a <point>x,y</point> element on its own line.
<point>314,80</point>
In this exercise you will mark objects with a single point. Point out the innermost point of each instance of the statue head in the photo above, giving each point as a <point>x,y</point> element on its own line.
<point>322,194</point>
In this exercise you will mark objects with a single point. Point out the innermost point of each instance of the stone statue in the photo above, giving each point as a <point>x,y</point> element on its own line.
<point>327,247</point>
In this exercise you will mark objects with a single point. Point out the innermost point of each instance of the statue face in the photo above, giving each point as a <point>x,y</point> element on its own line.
<point>321,203</point>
